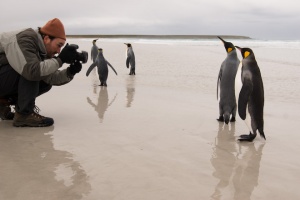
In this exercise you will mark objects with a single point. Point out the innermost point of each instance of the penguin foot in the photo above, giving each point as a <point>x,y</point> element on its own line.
<point>244,136</point>
<point>247,138</point>
<point>221,119</point>
<point>232,119</point>
<point>103,84</point>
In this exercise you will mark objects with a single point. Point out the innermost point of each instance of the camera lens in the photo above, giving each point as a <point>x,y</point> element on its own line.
<point>83,56</point>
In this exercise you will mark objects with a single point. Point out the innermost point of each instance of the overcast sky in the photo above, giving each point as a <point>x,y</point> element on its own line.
<point>259,19</point>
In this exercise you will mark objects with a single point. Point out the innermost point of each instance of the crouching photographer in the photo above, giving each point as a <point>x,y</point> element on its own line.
<point>29,68</point>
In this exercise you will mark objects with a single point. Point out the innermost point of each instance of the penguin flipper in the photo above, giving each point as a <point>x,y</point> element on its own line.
<point>90,69</point>
<point>112,100</point>
<point>244,97</point>
<point>127,62</point>
<point>90,102</point>
<point>111,67</point>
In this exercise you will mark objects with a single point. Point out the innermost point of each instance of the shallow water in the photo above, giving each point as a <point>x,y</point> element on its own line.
<point>155,135</point>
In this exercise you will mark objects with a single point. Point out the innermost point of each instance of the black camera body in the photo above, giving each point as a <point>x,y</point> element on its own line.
<point>80,56</point>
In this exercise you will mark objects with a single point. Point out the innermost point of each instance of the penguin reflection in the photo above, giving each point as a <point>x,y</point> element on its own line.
<point>236,165</point>
<point>102,104</point>
<point>94,50</point>
<point>246,174</point>
<point>130,90</point>
<point>223,157</point>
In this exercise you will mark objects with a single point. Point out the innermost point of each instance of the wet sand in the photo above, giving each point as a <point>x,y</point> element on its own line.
<point>155,135</point>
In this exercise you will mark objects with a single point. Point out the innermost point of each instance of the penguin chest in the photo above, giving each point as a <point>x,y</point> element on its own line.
<point>238,82</point>
<point>102,66</point>
<point>126,53</point>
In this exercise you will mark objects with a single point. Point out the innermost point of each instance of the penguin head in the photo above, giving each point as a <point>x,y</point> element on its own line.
<point>100,50</point>
<point>246,52</point>
<point>128,44</point>
<point>94,41</point>
<point>228,45</point>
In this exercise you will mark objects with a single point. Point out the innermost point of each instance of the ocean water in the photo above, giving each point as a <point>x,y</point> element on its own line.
<point>294,44</point>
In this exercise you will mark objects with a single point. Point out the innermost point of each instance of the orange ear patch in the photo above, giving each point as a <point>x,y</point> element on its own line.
<point>246,54</point>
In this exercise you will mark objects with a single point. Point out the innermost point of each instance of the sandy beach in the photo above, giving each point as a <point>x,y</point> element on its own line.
<point>154,136</point>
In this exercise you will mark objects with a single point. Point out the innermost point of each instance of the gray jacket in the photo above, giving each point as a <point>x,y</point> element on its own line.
<point>25,52</point>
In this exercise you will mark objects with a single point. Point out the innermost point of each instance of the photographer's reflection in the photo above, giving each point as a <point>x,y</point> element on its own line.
<point>31,168</point>
<point>130,86</point>
<point>236,165</point>
<point>102,104</point>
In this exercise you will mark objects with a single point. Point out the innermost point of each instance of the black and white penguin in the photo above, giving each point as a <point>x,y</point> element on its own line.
<point>251,95</point>
<point>225,84</point>
<point>101,64</point>
<point>94,50</point>
<point>130,59</point>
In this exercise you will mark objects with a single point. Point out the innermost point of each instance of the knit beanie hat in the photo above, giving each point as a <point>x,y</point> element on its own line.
<point>54,28</point>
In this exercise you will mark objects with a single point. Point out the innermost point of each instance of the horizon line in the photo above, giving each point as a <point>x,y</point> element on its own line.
<point>175,36</point>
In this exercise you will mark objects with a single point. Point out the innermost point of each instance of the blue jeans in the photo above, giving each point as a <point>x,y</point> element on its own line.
<point>22,91</point>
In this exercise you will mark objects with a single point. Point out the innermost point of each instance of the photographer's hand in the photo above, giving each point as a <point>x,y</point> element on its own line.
<point>74,68</point>
<point>68,54</point>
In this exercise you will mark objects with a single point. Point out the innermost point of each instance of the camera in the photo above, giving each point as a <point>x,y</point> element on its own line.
<point>80,56</point>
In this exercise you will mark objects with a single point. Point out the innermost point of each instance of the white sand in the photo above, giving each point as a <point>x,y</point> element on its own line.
<point>155,135</point>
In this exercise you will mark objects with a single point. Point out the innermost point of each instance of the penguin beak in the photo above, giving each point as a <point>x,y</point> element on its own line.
<point>239,48</point>
<point>221,39</point>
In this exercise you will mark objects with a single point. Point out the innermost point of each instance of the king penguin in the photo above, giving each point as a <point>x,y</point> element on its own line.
<point>251,95</point>
<point>130,59</point>
<point>225,83</point>
<point>101,64</point>
<point>94,51</point>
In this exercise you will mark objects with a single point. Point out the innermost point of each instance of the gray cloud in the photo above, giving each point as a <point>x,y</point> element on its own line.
<point>258,19</point>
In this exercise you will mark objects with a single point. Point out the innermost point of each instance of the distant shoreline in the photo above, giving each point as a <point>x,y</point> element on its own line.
<point>160,36</point>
